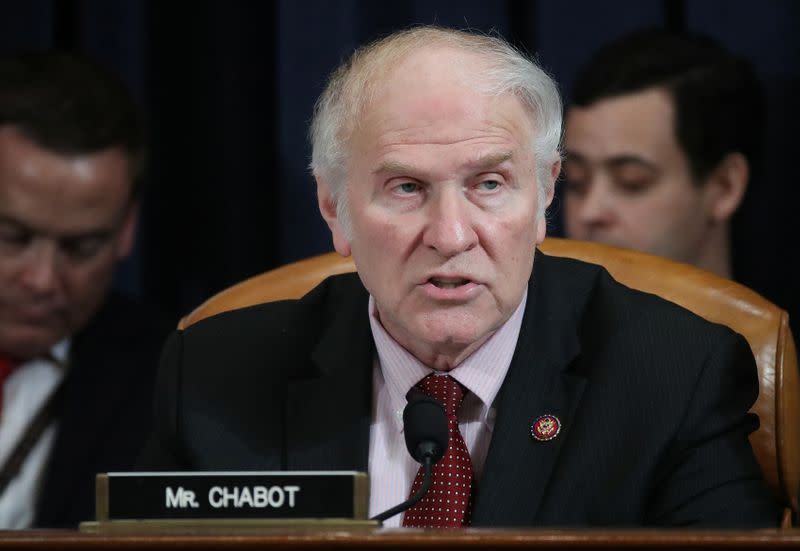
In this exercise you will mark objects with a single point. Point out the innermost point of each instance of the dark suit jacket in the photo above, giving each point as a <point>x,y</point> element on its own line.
<point>105,414</point>
<point>652,401</point>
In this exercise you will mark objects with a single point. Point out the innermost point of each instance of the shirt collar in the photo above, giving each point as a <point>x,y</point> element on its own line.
<point>57,356</point>
<point>482,372</point>
<point>60,351</point>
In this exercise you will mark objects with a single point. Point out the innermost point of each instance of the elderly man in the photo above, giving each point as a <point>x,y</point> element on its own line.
<point>661,138</point>
<point>77,363</point>
<point>571,399</point>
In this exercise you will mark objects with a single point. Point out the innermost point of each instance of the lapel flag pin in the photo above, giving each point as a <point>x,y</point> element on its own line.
<point>545,427</point>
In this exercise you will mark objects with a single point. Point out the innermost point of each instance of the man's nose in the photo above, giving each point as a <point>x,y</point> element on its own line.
<point>450,229</point>
<point>596,206</point>
<point>39,270</point>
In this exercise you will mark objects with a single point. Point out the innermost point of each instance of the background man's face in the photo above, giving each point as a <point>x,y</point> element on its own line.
<point>628,182</point>
<point>64,223</point>
<point>443,199</point>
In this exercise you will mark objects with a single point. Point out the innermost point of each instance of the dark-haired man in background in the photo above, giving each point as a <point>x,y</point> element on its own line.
<point>76,362</point>
<point>662,136</point>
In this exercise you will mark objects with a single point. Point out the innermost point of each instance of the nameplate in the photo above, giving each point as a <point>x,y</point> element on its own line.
<point>232,495</point>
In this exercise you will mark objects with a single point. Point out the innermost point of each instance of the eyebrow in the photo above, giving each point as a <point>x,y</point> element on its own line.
<point>9,221</point>
<point>615,162</point>
<point>103,234</point>
<point>630,160</point>
<point>95,233</point>
<point>482,162</point>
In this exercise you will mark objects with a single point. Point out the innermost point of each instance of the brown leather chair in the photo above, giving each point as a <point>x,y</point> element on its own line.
<point>765,326</point>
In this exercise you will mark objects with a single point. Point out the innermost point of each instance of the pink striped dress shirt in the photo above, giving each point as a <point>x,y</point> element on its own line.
<point>391,468</point>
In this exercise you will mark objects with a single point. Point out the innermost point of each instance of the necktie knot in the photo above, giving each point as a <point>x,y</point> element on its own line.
<point>446,390</point>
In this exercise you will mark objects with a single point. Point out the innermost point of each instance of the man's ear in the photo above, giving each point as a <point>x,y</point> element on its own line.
<point>127,232</point>
<point>555,170</point>
<point>327,207</point>
<point>724,188</point>
<point>549,189</point>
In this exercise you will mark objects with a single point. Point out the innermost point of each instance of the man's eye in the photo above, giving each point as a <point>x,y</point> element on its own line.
<point>633,187</point>
<point>407,187</point>
<point>575,171</point>
<point>632,180</point>
<point>576,187</point>
<point>14,239</point>
<point>82,249</point>
<point>489,185</point>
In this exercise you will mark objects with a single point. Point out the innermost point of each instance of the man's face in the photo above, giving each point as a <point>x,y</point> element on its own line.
<point>442,200</point>
<point>64,223</point>
<point>628,183</point>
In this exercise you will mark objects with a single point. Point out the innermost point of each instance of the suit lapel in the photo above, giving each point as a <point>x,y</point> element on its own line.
<point>329,412</point>
<point>80,428</point>
<point>539,382</point>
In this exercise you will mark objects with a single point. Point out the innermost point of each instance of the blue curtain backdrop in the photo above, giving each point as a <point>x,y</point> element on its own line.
<point>227,88</point>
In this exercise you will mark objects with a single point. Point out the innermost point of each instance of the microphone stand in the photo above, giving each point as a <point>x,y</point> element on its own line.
<point>426,436</point>
<point>427,464</point>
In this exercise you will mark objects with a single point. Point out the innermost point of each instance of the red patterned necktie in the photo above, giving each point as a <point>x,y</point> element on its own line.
<point>448,503</point>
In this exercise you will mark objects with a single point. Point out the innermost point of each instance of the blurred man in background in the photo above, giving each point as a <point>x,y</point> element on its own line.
<point>661,139</point>
<point>76,362</point>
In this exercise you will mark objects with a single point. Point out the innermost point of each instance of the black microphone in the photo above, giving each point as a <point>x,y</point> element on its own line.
<point>426,432</point>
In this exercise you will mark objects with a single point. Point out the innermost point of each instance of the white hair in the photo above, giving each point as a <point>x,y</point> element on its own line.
<point>352,85</point>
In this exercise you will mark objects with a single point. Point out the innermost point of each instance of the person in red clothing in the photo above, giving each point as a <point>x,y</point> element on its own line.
<point>71,150</point>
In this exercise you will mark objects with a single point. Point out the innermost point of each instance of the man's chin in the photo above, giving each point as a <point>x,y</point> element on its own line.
<point>27,342</point>
<point>454,341</point>
<point>610,240</point>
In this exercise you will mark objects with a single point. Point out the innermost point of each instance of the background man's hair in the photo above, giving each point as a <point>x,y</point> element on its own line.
<point>719,104</point>
<point>69,105</point>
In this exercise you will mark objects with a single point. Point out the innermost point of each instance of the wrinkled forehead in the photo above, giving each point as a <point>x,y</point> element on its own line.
<point>403,71</point>
<point>450,81</point>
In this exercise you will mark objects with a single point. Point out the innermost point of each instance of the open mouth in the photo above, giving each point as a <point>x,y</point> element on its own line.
<point>448,283</point>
